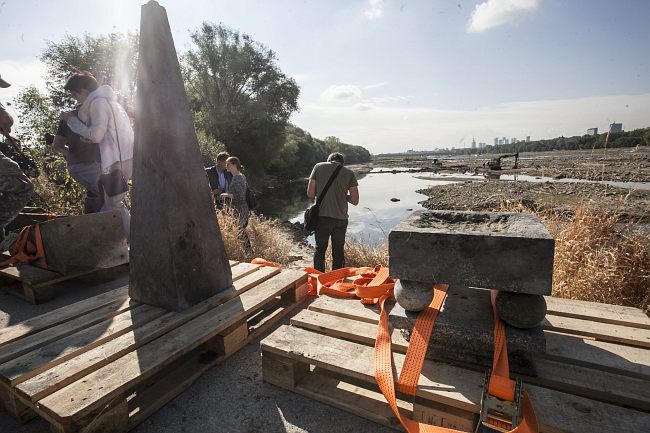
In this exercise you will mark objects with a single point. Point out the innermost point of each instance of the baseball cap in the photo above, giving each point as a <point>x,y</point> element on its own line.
<point>3,83</point>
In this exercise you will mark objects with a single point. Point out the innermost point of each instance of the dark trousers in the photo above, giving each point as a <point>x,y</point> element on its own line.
<point>334,228</point>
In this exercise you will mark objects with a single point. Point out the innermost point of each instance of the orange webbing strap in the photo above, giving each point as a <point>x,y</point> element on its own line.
<point>500,384</point>
<point>419,341</point>
<point>26,251</point>
<point>415,358</point>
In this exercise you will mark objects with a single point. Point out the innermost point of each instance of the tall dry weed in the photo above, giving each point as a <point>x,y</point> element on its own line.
<point>597,258</point>
<point>360,253</point>
<point>266,238</point>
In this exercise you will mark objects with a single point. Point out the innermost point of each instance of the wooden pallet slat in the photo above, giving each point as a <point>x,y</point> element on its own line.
<point>606,313</point>
<point>448,385</point>
<point>69,371</point>
<point>33,363</point>
<point>61,315</point>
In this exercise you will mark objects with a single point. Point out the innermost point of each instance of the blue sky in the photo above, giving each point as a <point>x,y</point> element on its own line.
<point>397,75</point>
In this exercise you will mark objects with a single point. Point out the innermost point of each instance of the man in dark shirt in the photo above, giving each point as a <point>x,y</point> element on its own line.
<point>219,177</point>
<point>84,164</point>
<point>333,214</point>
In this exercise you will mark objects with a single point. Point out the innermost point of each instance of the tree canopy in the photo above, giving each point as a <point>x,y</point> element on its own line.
<point>239,94</point>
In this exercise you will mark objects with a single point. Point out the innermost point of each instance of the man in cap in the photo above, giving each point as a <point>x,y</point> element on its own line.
<point>15,187</point>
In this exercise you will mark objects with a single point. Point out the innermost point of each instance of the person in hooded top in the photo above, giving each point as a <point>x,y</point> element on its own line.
<point>101,119</point>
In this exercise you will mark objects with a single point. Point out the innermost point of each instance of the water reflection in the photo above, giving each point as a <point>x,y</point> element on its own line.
<point>376,214</point>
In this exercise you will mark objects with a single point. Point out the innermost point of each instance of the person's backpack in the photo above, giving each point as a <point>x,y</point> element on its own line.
<point>251,199</point>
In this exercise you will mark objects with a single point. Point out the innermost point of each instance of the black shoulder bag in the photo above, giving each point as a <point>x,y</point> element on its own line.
<point>311,214</point>
<point>114,183</point>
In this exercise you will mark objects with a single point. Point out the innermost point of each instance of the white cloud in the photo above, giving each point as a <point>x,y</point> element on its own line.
<point>493,13</point>
<point>343,92</point>
<point>393,128</point>
<point>376,85</point>
<point>374,10</point>
<point>364,106</point>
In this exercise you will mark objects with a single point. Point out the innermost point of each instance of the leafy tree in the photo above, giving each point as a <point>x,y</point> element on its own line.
<point>239,94</point>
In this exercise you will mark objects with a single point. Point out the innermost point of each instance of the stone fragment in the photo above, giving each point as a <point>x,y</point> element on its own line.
<point>177,253</point>
<point>84,242</point>
<point>412,295</point>
<point>521,310</point>
<point>463,332</point>
<point>512,252</point>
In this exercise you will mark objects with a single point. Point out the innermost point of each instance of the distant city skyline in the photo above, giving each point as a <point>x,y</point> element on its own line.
<point>392,76</point>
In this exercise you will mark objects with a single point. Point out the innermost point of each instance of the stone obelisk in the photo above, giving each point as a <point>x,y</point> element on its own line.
<point>177,253</point>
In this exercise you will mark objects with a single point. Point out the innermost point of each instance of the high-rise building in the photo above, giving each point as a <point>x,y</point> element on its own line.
<point>616,127</point>
<point>528,139</point>
<point>513,140</point>
<point>473,143</point>
<point>496,140</point>
<point>592,131</point>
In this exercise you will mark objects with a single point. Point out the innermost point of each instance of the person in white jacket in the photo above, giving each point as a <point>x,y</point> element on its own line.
<point>101,119</point>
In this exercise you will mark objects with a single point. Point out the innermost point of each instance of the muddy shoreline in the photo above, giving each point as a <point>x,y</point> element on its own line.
<point>486,192</point>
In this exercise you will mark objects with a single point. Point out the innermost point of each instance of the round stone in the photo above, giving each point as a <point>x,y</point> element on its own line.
<point>413,295</point>
<point>521,310</point>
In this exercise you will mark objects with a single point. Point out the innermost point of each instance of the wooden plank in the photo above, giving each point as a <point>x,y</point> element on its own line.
<point>596,384</point>
<point>242,269</point>
<point>453,386</point>
<point>33,363</point>
<point>69,371</point>
<point>89,393</point>
<point>162,391</point>
<point>31,274</point>
<point>61,315</point>
<point>598,355</point>
<point>363,402</point>
<point>596,312</point>
<point>600,331</point>
<point>34,341</point>
<point>348,308</point>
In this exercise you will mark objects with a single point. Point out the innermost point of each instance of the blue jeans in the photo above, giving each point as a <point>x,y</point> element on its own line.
<point>87,175</point>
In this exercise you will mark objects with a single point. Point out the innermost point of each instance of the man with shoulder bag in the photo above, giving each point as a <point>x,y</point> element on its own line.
<point>334,186</point>
<point>101,119</point>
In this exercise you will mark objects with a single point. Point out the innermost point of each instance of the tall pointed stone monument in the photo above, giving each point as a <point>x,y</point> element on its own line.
<point>177,253</point>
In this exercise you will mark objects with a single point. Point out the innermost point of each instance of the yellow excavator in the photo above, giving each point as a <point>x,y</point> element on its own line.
<point>495,163</point>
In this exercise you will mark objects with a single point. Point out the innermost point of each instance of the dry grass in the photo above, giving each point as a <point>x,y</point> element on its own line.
<point>266,238</point>
<point>597,258</point>
<point>360,253</point>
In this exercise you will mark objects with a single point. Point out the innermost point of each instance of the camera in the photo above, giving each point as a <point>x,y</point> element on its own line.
<point>49,138</point>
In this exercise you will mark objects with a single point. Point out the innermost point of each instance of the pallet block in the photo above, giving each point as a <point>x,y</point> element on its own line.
<point>107,363</point>
<point>599,383</point>
<point>35,285</point>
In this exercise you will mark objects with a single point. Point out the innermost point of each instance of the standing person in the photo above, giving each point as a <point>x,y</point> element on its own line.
<point>102,120</point>
<point>219,177</point>
<point>237,191</point>
<point>84,163</point>
<point>333,212</point>
<point>15,188</point>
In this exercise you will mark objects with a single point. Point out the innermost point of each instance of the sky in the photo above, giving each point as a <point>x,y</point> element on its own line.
<point>399,75</point>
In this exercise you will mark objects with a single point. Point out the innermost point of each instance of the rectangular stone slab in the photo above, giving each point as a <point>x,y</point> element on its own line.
<point>501,251</point>
<point>85,242</point>
<point>463,332</point>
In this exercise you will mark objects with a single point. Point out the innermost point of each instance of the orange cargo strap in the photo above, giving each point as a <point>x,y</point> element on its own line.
<point>26,251</point>
<point>499,381</point>
<point>374,286</point>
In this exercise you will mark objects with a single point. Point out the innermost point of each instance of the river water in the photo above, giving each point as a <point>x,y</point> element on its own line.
<point>376,214</point>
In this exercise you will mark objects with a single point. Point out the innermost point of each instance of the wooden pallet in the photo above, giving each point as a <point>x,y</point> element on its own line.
<point>594,377</point>
<point>106,363</point>
<point>35,285</point>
